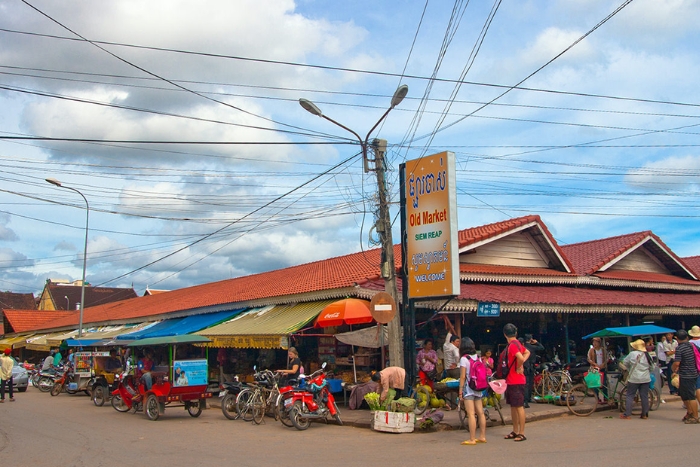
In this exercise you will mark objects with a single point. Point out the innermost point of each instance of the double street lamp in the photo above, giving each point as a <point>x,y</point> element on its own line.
<point>388,267</point>
<point>55,182</point>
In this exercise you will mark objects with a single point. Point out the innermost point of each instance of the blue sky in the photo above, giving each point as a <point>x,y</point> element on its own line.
<point>599,140</point>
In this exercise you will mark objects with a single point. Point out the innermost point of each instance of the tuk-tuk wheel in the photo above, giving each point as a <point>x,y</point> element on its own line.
<point>152,407</point>
<point>195,408</point>
<point>99,395</point>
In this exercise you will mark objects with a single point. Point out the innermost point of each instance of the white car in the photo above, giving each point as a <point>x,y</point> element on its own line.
<point>20,377</point>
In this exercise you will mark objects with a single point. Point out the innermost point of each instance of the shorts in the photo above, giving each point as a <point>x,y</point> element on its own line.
<point>515,395</point>
<point>686,388</point>
<point>697,383</point>
<point>473,397</point>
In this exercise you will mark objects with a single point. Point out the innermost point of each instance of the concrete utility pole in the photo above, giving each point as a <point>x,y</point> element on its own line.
<point>388,269</point>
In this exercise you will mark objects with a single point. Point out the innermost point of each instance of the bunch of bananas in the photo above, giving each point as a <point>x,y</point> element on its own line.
<point>447,380</point>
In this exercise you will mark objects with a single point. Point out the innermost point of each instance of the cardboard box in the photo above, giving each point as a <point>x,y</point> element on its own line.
<point>393,422</point>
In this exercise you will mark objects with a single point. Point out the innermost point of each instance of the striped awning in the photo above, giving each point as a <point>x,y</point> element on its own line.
<point>264,328</point>
<point>14,341</point>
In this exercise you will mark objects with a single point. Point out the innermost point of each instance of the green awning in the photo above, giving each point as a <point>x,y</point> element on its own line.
<point>165,340</point>
<point>264,328</point>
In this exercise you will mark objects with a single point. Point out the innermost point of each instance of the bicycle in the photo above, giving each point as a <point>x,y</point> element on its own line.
<point>553,383</point>
<point>262,397</point>
<point>583,401</point>
<point>495,403</point>
<point>421,396</point>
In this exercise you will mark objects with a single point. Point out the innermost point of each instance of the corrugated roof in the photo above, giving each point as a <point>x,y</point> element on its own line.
<point>279,320</point>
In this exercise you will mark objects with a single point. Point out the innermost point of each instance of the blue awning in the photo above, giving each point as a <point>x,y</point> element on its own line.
<point>81,342</point>
<point>630,331</point>
<point>181,326</point>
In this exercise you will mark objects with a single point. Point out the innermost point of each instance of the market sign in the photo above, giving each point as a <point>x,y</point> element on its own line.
<point>382,307</point>
<point>431,226</point>
<point>488,309</point>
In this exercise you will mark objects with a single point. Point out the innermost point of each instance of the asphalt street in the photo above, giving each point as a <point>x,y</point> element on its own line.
<point>67,430</point>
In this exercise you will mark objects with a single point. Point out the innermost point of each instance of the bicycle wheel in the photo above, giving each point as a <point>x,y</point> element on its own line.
<point>281,413</point>
<point>636,402</point>
<point>244,404</point>
<point>258,402</point>
<point>657,399</point>
<point>422,397</point>
<point>228,406</point>
<point>497,406</point>
<point>463,416</point>
<point>580,402</point>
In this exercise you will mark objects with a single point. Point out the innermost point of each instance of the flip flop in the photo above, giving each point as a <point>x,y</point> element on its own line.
<point>480,440</point>
<point>468,443</point>
<point>520,438</point>
<point>511,435</point>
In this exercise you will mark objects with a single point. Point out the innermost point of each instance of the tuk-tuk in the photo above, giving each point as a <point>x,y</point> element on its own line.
<point>181,382</point>
<point>105,367</point>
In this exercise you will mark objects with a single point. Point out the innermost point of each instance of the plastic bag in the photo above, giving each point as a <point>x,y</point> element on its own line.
<point>592,379</point>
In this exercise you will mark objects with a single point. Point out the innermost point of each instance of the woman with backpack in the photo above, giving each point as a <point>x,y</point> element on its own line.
<point>472,375</point>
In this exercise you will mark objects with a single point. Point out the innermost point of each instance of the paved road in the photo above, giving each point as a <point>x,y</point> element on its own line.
<point>66,430</point>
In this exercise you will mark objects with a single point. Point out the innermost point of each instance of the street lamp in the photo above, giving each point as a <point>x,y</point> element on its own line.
<point>67,302</point>
<point>384,221</point>
<point>55,182</point>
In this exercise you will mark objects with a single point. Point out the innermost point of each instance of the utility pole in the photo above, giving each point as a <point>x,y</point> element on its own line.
<point>388,267</point>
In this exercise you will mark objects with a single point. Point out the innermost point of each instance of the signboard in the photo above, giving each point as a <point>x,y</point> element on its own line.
<point>382,307</point>
<point>431,226</point>
<point>190,372</point>
<point>83,363</point>
<point>488,309</point>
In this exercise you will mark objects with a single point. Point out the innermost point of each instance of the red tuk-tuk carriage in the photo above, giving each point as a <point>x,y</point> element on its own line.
<point>183,382</point>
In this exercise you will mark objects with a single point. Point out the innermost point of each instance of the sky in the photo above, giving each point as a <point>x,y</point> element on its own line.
<point>180,124</point>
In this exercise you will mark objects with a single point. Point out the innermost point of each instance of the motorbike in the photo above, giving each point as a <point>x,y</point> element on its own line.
<point>65,381</point>
<point>228,394</point>
<point>312,403</point>
<point>46,378</point>
<point>124,397</point>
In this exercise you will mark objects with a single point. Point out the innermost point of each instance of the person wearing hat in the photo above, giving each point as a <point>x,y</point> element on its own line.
<point>6,364</point>
<point>640,365</point>
<point>685,366</point>
<point>694,334</point>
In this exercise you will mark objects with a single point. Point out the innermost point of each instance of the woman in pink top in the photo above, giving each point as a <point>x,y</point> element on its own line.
<point>488,362</point>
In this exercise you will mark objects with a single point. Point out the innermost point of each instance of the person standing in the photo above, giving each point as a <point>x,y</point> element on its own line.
<point>6,364</point>
<point>640,365</point>
<point>294,366</point>
<point>469,397</point>
<point>685,366</point>
<point>694,334</point>
<point>516,354</point>
<point>450,350</point>
<point>597,358</point>
<point>534,348</point>
<point>427,361</point>
<point>670,349</point>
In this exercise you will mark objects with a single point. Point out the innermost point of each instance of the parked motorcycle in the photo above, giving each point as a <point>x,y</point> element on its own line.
<point>47,378</point>
<point>229,393</point>
<point>63,382</point>
<point>125,393</point>
<point>313,402</point>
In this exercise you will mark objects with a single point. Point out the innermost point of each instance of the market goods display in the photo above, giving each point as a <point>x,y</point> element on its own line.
<point>403,404</point>
<point>372,399</point>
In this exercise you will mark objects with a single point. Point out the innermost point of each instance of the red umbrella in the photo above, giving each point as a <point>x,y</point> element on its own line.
<point>346,311</point>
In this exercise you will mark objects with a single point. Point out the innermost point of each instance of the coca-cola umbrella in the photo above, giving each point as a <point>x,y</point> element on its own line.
<point>346,311</point>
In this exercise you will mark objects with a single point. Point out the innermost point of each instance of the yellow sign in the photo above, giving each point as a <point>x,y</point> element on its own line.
<point>431,226</point>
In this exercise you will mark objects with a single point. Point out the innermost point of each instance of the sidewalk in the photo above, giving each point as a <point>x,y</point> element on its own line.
<point>537,411</point>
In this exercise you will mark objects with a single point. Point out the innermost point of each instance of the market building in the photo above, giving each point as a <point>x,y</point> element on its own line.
<point>559,293</point>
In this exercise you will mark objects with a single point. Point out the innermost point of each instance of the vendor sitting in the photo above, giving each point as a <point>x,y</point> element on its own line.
<point>113,364</point>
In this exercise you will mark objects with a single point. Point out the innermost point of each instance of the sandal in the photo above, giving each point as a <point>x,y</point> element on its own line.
<point>468,443</point>
<point>520,438</point>
<point>511,435</point>
<point>479,440</point>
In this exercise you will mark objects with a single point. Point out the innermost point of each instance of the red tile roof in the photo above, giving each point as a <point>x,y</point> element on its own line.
<point>18,301</point>
<point>572,296</point>
<point>93,295</point>
<point>693,262</point>
<point>496,269</point>
<point>333,273</point>
<point>642,276</point>
<point>29,320</point>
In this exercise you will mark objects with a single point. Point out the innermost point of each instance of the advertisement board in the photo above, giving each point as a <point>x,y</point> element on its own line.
<point>431,226</point>
<point>190,372</point>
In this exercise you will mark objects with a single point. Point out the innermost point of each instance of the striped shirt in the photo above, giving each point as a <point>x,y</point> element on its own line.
<point>686,355</point>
